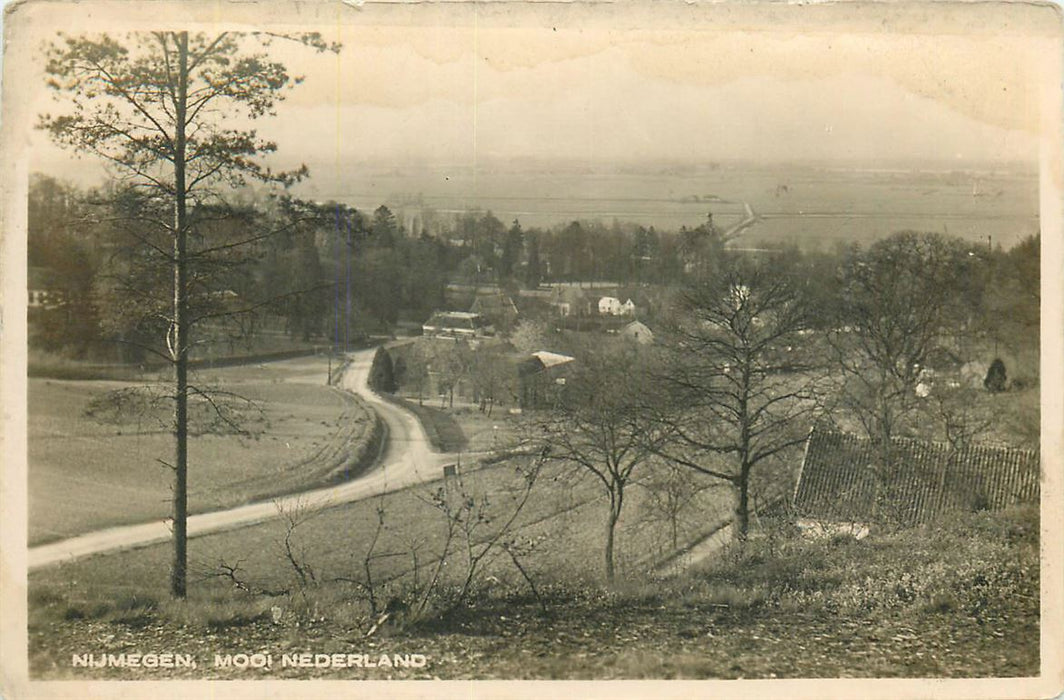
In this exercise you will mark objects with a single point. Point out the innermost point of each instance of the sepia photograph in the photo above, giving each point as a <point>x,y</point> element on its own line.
<point>712,345</point>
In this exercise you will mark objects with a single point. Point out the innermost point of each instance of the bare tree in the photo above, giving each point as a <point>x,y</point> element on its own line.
<point>451,362</point>
<point>163,110</point>
<point>670,495</point>
<point>293,517</point>
<point>739,373</point>
<point>477,529</point>
<point>493,375</point>
<point>602,426</point>
<point>903,299</point>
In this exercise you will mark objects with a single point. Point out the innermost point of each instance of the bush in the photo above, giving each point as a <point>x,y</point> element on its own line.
<point>996,379</point>
<point>971,563</point>
<point>382,373</point>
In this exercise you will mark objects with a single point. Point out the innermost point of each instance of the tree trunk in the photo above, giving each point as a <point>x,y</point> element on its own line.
<point>611,523</point>
<point>616,500</point>
<point>742,505</point>
<point>179,352</point>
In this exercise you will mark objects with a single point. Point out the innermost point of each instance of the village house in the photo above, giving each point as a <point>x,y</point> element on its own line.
<point>609,306</point>
<point>457,324</point>
<point>841,487</point>
<point>570,301</point>
<point>541,376</point>
<point>612,306</point>
<point>45,290</point>
<point>498,309</point>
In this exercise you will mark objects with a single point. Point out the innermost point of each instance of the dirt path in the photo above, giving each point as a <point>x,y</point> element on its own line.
<point>407,459</point>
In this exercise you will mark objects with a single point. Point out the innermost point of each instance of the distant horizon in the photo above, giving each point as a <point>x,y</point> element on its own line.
<point>58,167</point>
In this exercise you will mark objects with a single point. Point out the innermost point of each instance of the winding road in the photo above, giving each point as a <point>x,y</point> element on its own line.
<point>407,458</point>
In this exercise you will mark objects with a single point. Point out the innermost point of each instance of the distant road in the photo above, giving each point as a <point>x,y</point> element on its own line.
<point>749,219</point>
<point>407,458</point>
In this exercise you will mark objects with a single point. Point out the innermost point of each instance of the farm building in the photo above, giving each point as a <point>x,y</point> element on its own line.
<point>638,331</point>
<point>498,309</point>
<point>570,301</point>
<point>841,482</point>
<point>457,324</point>
<point>540,377</point>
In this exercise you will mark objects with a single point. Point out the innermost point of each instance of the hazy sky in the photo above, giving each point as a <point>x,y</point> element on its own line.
<point>547,93</point>
<point>460,85</point>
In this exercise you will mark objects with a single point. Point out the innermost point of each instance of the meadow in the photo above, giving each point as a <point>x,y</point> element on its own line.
<point>801,204</point>
<point>87,472</point>
<point>564,520</point>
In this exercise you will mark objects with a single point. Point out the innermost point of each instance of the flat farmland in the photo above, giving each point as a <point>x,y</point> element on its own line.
<point>800,204</point>
<point>85,473</point>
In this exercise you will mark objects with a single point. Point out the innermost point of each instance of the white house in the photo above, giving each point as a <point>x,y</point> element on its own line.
<point>609,306</point>
<point>628,308</point>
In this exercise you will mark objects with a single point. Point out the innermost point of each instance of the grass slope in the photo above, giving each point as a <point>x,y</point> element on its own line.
<point>957,600</point>
<point>85,474</point>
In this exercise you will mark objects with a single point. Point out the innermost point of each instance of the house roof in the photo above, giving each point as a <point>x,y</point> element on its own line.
<point>454,319</point>
<point>571,295</point>
<point>493,304</point>
<point>839,480</point>
<point>551,359</point>
<point>541,362</point>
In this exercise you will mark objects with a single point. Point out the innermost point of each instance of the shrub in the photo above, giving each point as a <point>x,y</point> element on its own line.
<point>382,372</point>
<point>996,379</point>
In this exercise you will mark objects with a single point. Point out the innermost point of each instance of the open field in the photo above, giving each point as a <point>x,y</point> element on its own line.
<point>464,427</point>
<point>801,204</point>
<point>86,474</point>
<point>957,600</point>
<point>566,515</point>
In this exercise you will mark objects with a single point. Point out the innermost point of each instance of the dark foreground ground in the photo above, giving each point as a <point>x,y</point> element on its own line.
<point>957,600</point>
<point>588,640</point>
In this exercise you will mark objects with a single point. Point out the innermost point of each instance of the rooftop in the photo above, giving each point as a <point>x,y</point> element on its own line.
<point>839,480</point>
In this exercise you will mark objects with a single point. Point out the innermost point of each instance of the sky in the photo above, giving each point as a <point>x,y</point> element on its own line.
<point>492,85</point>
<point>684,96</point>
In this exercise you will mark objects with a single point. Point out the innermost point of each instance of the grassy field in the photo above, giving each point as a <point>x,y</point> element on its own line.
<point>565,516</point>
<point>87,473</point>
<point>464,427</point>
<point>957,600</point>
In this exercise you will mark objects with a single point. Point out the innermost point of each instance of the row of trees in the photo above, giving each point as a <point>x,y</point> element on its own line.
<point>327,269</point>
<point>492,252</point>
<point>323,270</point>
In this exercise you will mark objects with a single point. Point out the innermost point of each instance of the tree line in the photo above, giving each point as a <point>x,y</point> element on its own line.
<point>324,271</point>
